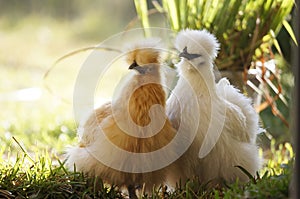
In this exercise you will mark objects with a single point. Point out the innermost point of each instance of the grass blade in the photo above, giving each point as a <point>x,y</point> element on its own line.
<point>23,149</point>
<point>247,173</point>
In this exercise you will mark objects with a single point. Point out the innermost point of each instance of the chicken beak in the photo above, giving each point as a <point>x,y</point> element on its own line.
<point>138,68</point>
<point>133,65</point>
<point>184,55</point>
<point>187,55</point>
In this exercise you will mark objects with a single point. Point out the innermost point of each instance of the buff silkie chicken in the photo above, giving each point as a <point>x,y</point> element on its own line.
<point>121,140</point>
<point>223,138</point>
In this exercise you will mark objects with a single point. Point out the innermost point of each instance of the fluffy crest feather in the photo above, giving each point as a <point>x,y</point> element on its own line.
<point>197,42</point>
<point>144,52</point>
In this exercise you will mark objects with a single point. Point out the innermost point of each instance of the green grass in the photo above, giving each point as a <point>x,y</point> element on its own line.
<point>41,179</point>
<point>34,134</point>
<point>43,176</point>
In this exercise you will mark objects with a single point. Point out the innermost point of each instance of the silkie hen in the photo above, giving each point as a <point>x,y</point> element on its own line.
<point>223,139</point>
<point>119,134</point>
<point>245,108</point>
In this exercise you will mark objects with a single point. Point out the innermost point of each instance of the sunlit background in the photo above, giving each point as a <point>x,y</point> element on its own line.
<point>36,93</point>
<point>38,112</point>
<point>33,35</point>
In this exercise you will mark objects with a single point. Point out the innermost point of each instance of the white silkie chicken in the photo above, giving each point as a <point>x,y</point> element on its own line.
<point>236,98</point>
<point>122,141</point>
<point>226,126</point>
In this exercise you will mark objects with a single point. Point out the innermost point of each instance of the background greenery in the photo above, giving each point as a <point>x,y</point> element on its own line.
<point>36,126</point>
<point>255,36</point>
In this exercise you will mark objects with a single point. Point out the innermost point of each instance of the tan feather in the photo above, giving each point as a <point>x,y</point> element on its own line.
<point>141,100</point>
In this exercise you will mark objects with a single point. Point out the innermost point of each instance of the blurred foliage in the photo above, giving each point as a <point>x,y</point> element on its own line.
<point>39,126</point>
<point>92,20</point>
<point>247,31</point>
<point>33,34</point>
<point>277,157</point>
<point>240,26</point>
<point>53,8</point>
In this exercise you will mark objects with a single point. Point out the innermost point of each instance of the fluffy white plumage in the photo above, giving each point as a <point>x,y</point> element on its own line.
<point>245,106</point>
<point>227,124</point>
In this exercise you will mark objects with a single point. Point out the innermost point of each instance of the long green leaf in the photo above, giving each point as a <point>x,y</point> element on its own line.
<point>239,25</point>
<point>157,6</point>
<point>290,31</point>
<point>142,11</point>
<point>172,10</point>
